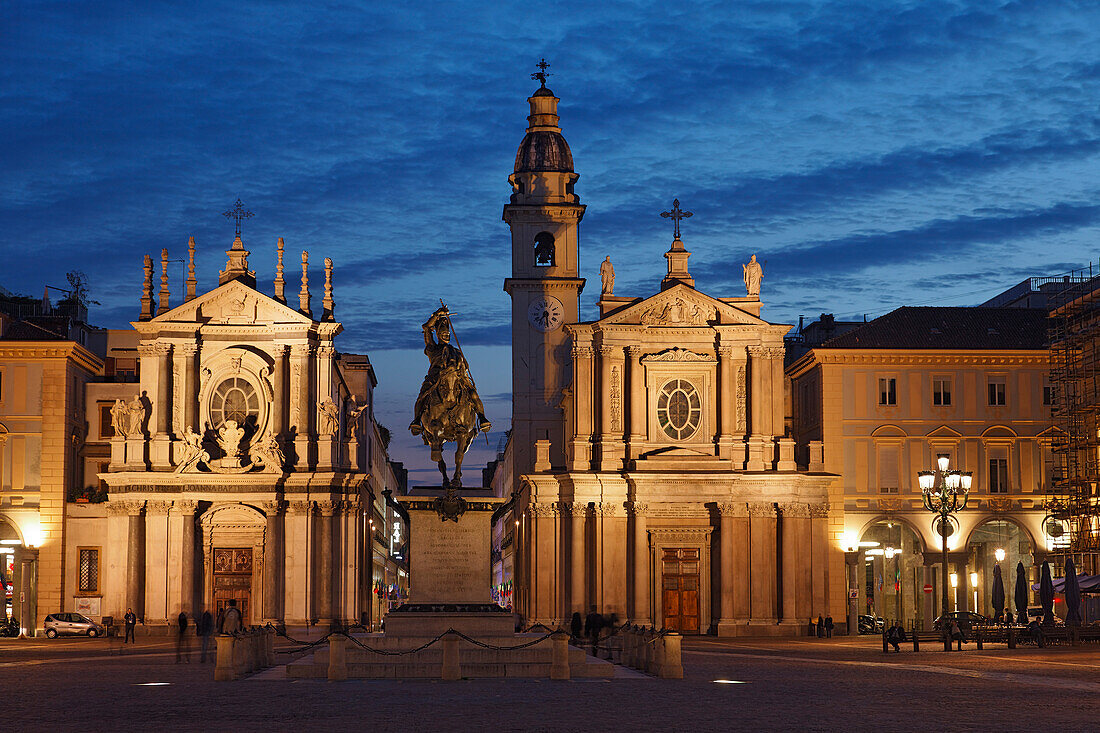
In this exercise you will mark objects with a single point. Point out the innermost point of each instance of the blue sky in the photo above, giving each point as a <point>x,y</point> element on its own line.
<point>874,154</point>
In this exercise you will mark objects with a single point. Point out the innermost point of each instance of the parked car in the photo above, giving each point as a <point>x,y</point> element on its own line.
<point>967,620</point>
<point>77,624</point>
<point>870,624</point>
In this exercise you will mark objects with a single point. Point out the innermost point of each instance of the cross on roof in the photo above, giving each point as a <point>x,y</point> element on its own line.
<point>676,215</point>
<point>236,214</point>
<point>542,73</point>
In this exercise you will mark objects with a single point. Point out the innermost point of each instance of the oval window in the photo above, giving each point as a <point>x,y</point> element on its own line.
<point>679,409</point>
<point>235,399</point>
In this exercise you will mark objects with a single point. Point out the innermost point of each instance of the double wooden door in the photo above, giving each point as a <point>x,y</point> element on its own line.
<point>680,589</point>
<point>233,580</point>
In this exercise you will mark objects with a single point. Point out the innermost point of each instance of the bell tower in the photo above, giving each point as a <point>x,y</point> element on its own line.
<point>545,286</point>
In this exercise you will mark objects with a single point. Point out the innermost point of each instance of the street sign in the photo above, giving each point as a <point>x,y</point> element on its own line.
<point>927,587</point>
<point>853,593</point>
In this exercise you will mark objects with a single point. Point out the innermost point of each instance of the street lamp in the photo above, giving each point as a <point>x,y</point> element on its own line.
<point>944,497</point>
<point>999,553</point>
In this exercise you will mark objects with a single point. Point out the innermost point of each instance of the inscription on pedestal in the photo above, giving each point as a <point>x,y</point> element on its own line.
<point>449,561</point>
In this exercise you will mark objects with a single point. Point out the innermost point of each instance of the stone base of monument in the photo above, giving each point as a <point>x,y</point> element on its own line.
<point>449,581</point>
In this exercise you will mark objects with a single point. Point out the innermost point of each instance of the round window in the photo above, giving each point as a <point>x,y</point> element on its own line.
<point>678,409</point>
<point>235,399</point>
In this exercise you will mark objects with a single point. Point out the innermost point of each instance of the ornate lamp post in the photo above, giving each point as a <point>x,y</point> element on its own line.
<point>944,497</point>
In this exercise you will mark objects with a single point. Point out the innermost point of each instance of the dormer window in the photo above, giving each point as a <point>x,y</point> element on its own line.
<point>544,249</point>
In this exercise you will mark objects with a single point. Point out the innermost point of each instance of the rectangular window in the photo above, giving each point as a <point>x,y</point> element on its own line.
<point>1048,395</point>
<point>88,580</point>
<point>106,429</point>
<point>941,391</point>
<point>996,393</point>
<point>888,469</point>
<point>887,391</point>
<point>998,475</point>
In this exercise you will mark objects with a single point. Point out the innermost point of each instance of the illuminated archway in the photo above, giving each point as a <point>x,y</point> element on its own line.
<point>1017,546</point>
<point>891,570</point>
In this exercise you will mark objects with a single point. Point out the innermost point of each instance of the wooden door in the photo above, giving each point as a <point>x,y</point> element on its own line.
<point>233,580</point>
<point>680,589</point>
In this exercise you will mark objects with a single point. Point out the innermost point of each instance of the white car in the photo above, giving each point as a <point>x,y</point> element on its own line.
<point>71,623</point>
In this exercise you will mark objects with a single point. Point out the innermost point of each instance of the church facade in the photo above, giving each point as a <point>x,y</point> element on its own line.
<point>653,472</point>
<point>244,463</point>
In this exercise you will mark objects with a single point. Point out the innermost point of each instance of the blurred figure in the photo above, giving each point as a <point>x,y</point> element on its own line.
<point>829,627</point>
<point>130,619</point>
<point>205,628</point>
<point>576,627</point>
<point>183,644</point>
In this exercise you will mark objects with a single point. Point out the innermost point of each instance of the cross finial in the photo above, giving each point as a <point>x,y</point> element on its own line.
<point>542,73</point>
<point>236,214</point>
<point>676,215</point>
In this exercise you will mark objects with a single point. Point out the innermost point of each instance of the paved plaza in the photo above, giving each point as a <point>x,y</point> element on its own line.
<point>839,684</point>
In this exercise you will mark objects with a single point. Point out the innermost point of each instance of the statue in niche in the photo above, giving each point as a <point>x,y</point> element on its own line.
<point>753,273</point>
<point>330,417</point>
<point>448,407</point>
<point>607,276</point>
<point>192,452</point>
<point>354,415</point>
<point>229,440</point>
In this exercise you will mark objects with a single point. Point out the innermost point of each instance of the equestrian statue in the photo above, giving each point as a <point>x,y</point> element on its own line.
<point>448,408</point>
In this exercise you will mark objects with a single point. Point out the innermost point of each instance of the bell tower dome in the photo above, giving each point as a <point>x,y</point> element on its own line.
<point>544,215</point>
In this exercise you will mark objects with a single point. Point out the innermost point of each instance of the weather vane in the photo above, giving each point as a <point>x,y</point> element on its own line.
<point>236,214</point>
<point>676,215</point>
<point>542,73</point>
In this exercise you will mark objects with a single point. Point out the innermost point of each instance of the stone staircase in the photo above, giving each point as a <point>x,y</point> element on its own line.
<point>474,661</point>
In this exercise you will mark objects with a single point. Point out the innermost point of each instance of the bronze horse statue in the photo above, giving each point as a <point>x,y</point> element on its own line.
<point>448,408</point>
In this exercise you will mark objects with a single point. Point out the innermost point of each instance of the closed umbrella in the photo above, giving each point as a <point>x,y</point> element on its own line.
<point>1046,595</point>
<point>1073,595</point>
<point>1021,593</point>
<point>998,593</point>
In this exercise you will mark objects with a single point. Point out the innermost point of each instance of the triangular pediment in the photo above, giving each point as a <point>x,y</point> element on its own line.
<point>681,306</point>
<point>233,303</point>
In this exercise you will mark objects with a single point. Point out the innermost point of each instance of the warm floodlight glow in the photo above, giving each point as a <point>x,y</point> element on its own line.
<point>954,580</point>
<point>999,553</point>
<point>849,540</point>
<point>926,479</point>
<point>890,552</point>
<point>967,479</point>
<point>973,580</point>
<point>32,536</point>
<point>943,462</point>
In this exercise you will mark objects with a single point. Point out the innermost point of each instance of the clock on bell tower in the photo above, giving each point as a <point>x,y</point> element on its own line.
<point>545,285</point>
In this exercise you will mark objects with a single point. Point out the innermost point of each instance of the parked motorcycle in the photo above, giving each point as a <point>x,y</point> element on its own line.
<point>9,628</point>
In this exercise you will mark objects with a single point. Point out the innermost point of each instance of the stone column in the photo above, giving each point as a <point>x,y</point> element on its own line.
<point>324,606</point>
<point>183,388</point>
<point>819,558</point>
<point>734,567</point>
<point>186,509</point>
<point>582,386</point>
<point>611,408</point>
<point>762,550</point>
<point>637,400</point>
<point>278,388</point>
<point>794,528</point>
<point>328,443</point>
<point>641,615</point>
<point>579,513</point>
<point>273,559</point>
<point>301,407</point>
<point>135,558</point>
<point>158,605</point>
<point>852,565</point>
<point>727,378</point>
<point>163,404</point>
<point>759,408</point>
<point>775,396</point>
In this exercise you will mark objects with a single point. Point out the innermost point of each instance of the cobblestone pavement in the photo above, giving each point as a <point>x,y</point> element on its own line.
<point>808,685</point>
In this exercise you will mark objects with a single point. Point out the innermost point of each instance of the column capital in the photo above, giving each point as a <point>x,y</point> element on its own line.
<point>794,509</point>
<point>610,509</point>
<point>635,351</point>
<point>819,511</point>
<point>582,352</point>
<point>185,506</point>
<point>327,507</point>
<point>147,348</point>
<point>733,509</point>
<point>279,350</point>
<point>301,507</point>
<point>578,508</point>
<point>542,509</point>
<point>273,508</point>
<point>157,508</point>
<point>761,509</point>
<point>637,508</point>
<point>300,350</point>
<point>162,348</point>
<point>326,350</point>
<point>606,352</point>
<point>120,508</point>
<point>187,349</point>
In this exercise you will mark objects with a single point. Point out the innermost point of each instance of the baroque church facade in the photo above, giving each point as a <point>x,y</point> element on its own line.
<point>652,469</point>
<point>244,465</point>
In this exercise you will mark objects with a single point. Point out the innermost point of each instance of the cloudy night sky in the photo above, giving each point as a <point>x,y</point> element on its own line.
<point>874,154</point>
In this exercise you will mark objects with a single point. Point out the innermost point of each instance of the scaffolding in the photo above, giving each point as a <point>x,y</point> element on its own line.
<point>1072,524</point>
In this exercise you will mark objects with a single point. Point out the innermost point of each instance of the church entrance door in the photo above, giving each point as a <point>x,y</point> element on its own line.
<point>680,589</point>
<point>233,580</point>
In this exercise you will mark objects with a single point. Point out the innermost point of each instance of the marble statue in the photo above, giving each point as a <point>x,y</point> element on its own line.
<point>607,276</point>
<point>268,454</point>
<point>753,273</point>
<point>330,417</point>
<point>136,410</point>
<point>120,419</point>
<point>354,415</point>
<point>448,407</point>
<point>229,440</point>
<point>192,452</point>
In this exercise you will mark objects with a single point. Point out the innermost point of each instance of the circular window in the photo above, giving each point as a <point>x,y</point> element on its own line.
<point>678,409</point>
<point>235,399</point>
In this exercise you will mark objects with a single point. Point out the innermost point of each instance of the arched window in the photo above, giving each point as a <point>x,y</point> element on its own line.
<point>679,409</point>
<point>235,399</point>
<point>544,249</point>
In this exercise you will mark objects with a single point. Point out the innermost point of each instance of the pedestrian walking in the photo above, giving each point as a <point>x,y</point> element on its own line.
<point>828,627</point>
<point>205,629</point>
<point>820,627</point>
<point>183,645</point>
<point>576,626</point>
<point>130,621</point>
<point>592,624</point>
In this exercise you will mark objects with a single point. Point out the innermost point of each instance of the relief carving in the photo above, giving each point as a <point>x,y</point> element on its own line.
<point>739,406</point>
<point>733,509</point>
<point>677,311</point>
<point>616,398</point>
<point>761,509</point>
<point>676,354</point>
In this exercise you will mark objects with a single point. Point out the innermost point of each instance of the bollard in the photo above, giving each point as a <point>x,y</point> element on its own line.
<point>559,662</point>
<point>885,647</point>
<point>630,644</point>
<point>1011,637</point>
<point>224,669</point>
<point>978,637</point>
<point>452,670</point>
<point>647,650</point>
<point>337,658</point>
<point>671,665</point>
<point>916,641</point>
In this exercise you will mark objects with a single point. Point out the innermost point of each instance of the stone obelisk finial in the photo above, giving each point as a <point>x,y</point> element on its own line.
<point>326,304</point>
<point>163,282</point>
<point>280,283</point>
<point>147,303</point>
<point>303,294</point>
<point>190,294</point>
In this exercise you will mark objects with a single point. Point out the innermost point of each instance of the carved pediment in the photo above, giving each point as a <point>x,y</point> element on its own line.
<point>679,355</point>
<point>233,303</point>
<point>681,306</point>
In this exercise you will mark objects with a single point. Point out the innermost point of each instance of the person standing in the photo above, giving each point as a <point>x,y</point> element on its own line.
<point>576,626</point>
<point>130,620</point>
<point>820,627</point>
<point>183,646</point>
<point>205,628</point>
<point>592,625</point>
<point>828,627</point>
